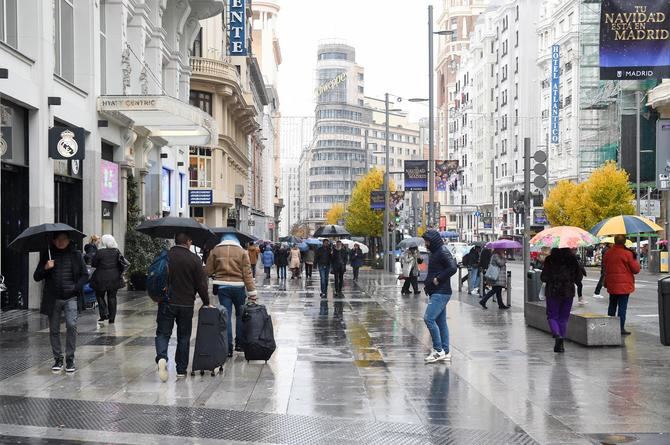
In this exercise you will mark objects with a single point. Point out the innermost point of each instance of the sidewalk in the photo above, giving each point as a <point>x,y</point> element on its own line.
<point>346,371</point>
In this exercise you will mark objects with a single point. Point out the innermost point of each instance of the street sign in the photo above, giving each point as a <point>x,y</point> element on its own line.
<point>478,214</point>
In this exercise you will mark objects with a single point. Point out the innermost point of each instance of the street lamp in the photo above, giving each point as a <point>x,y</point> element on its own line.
<point>390,256</point>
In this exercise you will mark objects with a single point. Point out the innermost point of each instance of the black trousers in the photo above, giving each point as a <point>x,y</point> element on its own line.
<point>414,282</point>
<point>497,291</point>
<point>599,286</point>
<point>308,270</point>
<point>107,308</point>
<point>339,278</point>
<point>356,271</point>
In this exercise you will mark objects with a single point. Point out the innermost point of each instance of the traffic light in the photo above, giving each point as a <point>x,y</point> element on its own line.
<point>396,214</point>
<point>540,169</point>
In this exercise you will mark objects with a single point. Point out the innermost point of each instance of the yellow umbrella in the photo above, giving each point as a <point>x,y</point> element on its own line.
<point>610,240</point>
<point>625,225</point>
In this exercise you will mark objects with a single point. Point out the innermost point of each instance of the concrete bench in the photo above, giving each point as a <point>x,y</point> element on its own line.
<point>585,328</point>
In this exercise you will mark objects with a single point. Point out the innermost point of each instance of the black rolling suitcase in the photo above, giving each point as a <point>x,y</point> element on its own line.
<point>259,338</point>
<point>664,310</point>
<point>211,341</point>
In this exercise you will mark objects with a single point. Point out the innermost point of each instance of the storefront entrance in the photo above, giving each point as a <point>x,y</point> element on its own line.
<point>68,202</point>
<point>14,221</point>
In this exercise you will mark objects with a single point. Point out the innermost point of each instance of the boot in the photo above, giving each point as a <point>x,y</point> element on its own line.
<point>558,345</point>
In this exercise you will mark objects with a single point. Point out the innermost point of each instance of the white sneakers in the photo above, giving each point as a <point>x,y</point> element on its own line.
<point>436,356</point>
<point>581,301</point>
<point>162,370</point>
<point>597,296</point>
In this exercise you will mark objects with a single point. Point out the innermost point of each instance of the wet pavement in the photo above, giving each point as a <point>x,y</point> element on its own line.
<point>347,370</point>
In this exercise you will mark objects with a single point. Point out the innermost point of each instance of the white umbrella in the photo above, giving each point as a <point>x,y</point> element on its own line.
<point>350,245</point>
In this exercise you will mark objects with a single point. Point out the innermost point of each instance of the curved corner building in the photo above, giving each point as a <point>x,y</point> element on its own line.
<point>337,154</point>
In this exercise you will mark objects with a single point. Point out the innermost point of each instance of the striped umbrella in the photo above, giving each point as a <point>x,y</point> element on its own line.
<point>564,236</point>
<point>625,225</point>
<point>610,240</point>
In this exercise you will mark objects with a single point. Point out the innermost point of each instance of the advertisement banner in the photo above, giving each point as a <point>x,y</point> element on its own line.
<point>237,24</point>
<point>663,154</point>
<point>109,181</point>
<point>634,39</point>
<point>555,92</point>
<point>416,176</point>
<point>377,199</point>
<point>397,200</point>
<point>446,175</point>
<point>540,217</point>
<point>487,221</point>
<point>200,197</point>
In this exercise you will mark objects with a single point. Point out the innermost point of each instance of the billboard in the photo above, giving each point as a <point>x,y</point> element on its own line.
<point>634,39</point>
<point>416,176</point>
<point>555,92</point>
<point>237,33</point>
<point>446,175</point>
<point>663,154</point>
<point>397,200</point>
<point>109,181</point>
<point>540,217</point>
<point>377,199</point>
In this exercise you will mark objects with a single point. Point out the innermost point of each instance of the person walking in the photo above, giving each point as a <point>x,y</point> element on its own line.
<point>356,259</point>
<point>268,260</point>
<point>409,262</point>
<point>230,267</point>
<point>473,270</point>
<point>621,266</point>
<point>64,273</point>
<point>323,262</point>
<point>91,248</point>
<point>107,279</point>
<point>254,251</point>
<point>282,261</point>
<point>441,267</point>
<point>294,262</point>
<point>484,261</point>
<point>561,272</point>
<point>186,278</point>
<point>500,281</point>
<point>601,280</point>
<point>339,265</point>
<point>580,285</point>
<point>309,262</point>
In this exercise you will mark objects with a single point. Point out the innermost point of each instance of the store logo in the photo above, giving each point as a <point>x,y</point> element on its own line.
<point>3,146</point>
<point>75,166</point>
<point>67,146</point>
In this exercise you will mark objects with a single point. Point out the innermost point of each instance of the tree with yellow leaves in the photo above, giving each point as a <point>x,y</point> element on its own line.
<point>335,214</point>
<point>361,220</point>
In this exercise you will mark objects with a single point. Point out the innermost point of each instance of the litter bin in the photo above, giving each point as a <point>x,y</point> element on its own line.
<point>534,284</point>
<point>664,309</point>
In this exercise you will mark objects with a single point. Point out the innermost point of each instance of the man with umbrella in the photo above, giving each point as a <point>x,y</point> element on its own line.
<point>64,273</point>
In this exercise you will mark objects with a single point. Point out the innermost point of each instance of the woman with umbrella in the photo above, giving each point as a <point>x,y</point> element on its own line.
<point>496,274</point>
<point>356,259</point>
<point>309,260</point>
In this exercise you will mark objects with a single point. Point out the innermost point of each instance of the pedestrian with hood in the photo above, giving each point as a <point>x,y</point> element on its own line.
<point>253,251</point>
<point>621,266</point>
<point>268,260</point>
<point>409,262</point>
<point>64,273</point>
<point>186,278</point>
<point>294,262</point>
<point>339,264</point>
<point>228,264</point>
<point>356,259</point>
<point>323,262</point>
<point>107,279</point>
<point>441,268</point>
<point>309,262</point>
<point>561,273</point>
<point>496,274</point>
<point>282,260</point>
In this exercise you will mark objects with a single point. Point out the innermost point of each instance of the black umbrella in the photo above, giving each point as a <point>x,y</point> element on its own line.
<point>244,238</point>
<point>291,239</point>
<point>331,231</point>
<point>37,238</point>
<point>170,226</point>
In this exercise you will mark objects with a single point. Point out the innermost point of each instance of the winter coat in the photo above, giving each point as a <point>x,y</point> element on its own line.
<point>268,257</point>
<point>295,258</point>
<point>56,286</point>
<point>322,257</point>
<point>108,270</point>
<point>356,258</point>
<point>229,264</point>
<point>620,268</point>
<point>186,277</point>
<point>561,272</point>
<point>441,265</point>
<point>282,257</point>
<point>485,258</point>
<point>410,266</point>
<point>338,258</point>
<point>309,256</point>
<point>499,260</point>
<point>253,252</point>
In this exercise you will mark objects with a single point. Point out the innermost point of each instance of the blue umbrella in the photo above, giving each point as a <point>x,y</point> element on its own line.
<point>313,242</point>
<point>303,247</point>
<point>448,234</point>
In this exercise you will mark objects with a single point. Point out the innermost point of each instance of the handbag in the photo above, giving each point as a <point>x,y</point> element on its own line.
<point>492,273</point>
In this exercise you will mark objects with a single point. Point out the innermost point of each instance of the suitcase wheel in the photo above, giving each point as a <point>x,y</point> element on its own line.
<point>202,372</point>
<point>192,373</point>
<point>213,372</point>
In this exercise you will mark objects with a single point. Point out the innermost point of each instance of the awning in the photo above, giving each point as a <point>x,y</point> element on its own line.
<point>161,116</point>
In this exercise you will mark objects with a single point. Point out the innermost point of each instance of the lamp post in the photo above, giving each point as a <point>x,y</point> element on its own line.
<point>390,256</point>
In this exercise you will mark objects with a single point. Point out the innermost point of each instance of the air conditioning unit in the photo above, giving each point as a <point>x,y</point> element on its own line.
<point>239,191</point>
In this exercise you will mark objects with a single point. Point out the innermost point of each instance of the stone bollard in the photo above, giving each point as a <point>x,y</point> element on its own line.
<point>509,288</point>
<point>460,283</point>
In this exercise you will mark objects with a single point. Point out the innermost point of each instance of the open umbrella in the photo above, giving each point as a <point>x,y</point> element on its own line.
<point>244,238</point>
<point>504,244</point>
<point>303,247</point>
<point>610,240</point>
<point>170,226</point>
<point>625,225</point>
<point>37,238</point>
<point>313,242</point>
<point>564,236</point>
<point>350,245</point>
<point>331,231</point>
<point>448,234</point>
<point>291,239</point>
<point>404,244</point>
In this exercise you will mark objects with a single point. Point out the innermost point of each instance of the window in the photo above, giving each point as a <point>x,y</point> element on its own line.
<point>8,22</point>
<point>196,51</point>
<point>516,40</point>
<point>200,167</point>
<point>201,100</point>
<point>103,48</point>
<point>333,56</point>
<point>361,89</point>
<point>64,39</point>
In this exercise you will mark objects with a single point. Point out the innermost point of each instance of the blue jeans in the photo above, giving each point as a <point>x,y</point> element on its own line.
<point>69,307</point>
<point>282,272</point>
<point>324,272</point>
<point>435,318</point>
<point>165,319</point>
<point>619,302</point>
<point>230,296</point>
<point>473,275</point>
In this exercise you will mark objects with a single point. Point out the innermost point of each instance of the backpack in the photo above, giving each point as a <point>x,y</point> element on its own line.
<point>157,277</point>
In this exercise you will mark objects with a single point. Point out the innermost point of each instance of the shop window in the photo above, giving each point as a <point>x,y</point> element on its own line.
<point>64,39</point>
<point>8,22</point>
<point>200,167</point>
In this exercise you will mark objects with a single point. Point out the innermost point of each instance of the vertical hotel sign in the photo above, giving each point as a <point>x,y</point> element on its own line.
<point>555,92</point>
<point>238,27</point>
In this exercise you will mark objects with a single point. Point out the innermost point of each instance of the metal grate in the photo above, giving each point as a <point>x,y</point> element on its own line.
<point>207,423</point>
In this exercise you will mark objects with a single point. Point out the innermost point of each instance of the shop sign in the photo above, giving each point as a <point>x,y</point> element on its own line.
<point>555,92</point>
<point>6,142</point>
<point>331,84</point>
<point>488,222</point>
<point>109,181</point>
<point>237,28</point>
<point>200,197</point>
<point>67,143</point>
<point>416,176</point>
<point>634,39</point>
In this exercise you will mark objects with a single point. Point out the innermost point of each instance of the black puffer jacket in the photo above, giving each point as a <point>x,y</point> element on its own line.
<point>65,280</point>
<point>441,266</point>
<point>107,275</point>
<point>339,258</point>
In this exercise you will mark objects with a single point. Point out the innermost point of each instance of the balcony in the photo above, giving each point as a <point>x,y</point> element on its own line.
<point>214,70</point>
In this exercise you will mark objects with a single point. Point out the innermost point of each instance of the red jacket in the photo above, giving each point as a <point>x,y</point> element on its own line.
<point>620,266</point>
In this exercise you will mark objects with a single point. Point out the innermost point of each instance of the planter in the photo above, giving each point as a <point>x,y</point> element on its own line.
<point>137,282</point>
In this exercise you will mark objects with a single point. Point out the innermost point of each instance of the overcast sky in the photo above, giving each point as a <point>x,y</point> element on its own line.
<point>390,37</point>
